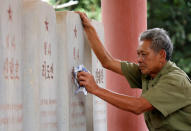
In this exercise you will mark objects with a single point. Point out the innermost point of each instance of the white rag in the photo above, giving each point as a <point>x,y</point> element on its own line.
<point>75,73</point>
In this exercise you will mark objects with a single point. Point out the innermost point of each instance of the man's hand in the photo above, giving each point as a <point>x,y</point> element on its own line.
<point>85,20</point>
<point>87,80</point>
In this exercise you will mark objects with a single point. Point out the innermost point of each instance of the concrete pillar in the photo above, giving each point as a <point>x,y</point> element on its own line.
<point>123,21</point>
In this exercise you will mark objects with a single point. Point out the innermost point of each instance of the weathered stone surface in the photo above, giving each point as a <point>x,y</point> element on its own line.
<point>11,106</point>
<point>40,67</point>
<point>72,52</point>
<point>99,106</point>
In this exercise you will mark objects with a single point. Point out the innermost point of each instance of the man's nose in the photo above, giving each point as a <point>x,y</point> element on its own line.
<point>139,59</point>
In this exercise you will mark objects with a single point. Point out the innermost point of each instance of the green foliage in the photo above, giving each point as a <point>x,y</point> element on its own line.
<point>91,7</point>
<point>175,17</point>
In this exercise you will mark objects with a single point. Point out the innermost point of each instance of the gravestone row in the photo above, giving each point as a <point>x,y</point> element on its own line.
<point>39,49</point>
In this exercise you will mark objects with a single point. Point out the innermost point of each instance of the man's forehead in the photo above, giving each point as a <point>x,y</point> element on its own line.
<point>139,50</point>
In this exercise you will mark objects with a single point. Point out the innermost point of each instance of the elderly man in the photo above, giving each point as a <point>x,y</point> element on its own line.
<point>166,89</point>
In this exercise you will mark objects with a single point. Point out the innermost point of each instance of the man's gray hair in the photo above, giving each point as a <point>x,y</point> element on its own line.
<point>160,40</point>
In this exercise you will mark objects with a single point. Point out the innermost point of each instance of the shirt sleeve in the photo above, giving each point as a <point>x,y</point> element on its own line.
<point>169,94</point>
<point>132,74</point>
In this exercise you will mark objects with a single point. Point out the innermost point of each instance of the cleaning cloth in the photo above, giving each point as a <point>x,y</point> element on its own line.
<point>75,73</point>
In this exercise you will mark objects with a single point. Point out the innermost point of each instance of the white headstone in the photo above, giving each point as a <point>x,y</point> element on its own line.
<point>40,71</point>
<point>11,106</point>
<point>99,106</point>
<point>72,52</point>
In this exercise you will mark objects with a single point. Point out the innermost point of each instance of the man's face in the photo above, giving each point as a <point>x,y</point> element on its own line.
<point>148,60</point>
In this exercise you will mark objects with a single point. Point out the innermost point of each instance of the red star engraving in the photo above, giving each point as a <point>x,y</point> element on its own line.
<point>9,11</point>
<point>46,24</point>
<point>75,32</point>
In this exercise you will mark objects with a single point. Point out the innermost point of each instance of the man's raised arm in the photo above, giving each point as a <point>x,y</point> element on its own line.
<point>102,54</point>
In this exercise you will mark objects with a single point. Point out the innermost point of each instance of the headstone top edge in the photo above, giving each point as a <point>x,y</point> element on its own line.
<point>67,14</point>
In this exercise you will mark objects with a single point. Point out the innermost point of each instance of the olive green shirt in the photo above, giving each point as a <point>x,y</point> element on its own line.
<point>169,92</point>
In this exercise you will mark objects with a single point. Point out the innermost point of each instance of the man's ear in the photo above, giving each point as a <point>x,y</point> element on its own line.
<point>162,55</point>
